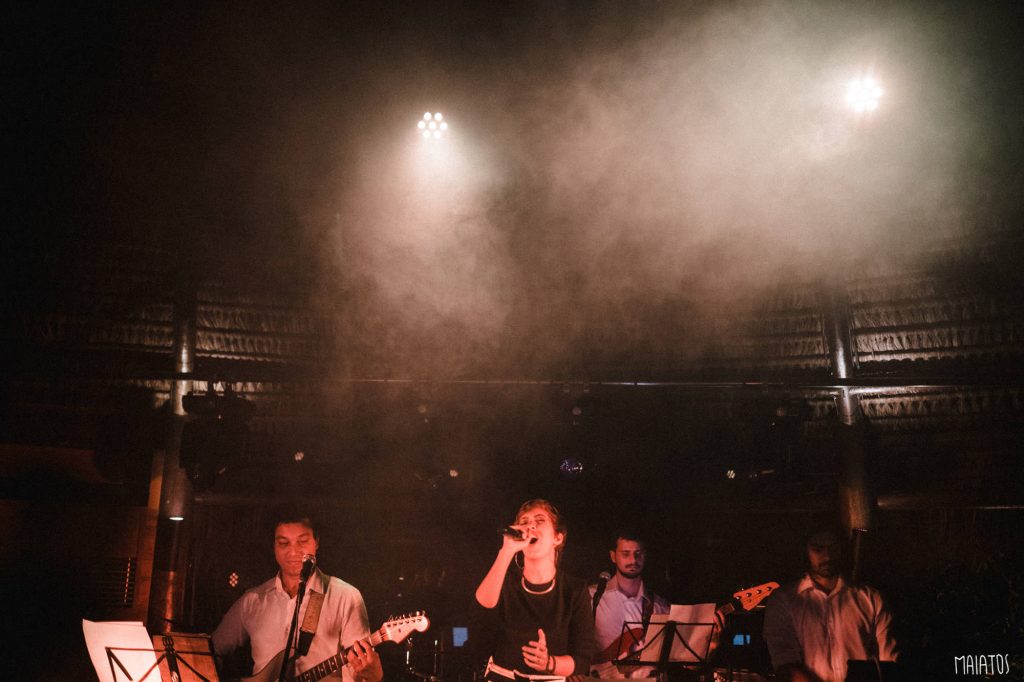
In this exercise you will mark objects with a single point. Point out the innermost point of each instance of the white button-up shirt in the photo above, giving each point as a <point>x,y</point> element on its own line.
<point>803,624</point>
<point>263,615</point>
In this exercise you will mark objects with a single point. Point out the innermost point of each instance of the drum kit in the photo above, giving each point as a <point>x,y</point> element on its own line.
<point>419,655</point>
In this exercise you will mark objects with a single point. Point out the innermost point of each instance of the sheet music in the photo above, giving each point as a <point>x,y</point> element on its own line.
<point>696,634</point>
<point>119,635</point>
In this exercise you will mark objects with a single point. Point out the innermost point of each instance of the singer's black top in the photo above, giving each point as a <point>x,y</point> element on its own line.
<point>564,614</point>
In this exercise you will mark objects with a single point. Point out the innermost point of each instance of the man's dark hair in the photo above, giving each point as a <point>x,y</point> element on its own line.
<point>293,514</point>
<point>827,527</point>
<point>630,534</point>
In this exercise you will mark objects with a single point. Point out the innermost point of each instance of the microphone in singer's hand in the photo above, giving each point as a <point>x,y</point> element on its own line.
<point>514,533</point>
<point>308,564</point>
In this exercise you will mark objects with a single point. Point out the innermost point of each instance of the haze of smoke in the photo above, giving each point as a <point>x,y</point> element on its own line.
<point>732,134</point>
<point>691,164</point>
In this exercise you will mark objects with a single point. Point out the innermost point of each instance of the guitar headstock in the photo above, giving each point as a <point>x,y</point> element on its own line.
<point>751,597</point>
<point>397,629</point>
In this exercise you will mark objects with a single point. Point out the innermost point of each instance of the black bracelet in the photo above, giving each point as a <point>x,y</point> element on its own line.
<point>549,667</point>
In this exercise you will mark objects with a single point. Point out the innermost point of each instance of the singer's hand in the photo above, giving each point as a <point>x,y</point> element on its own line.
<point>364,663</point>
<point>536,654</point>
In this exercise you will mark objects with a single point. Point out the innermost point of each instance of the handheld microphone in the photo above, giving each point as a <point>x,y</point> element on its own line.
<point>515,534</point>
<point>603,577</point>
<point>308,564</point>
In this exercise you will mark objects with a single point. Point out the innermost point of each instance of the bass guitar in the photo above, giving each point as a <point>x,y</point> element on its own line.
<point>394,630</point>
<point>742,600</point>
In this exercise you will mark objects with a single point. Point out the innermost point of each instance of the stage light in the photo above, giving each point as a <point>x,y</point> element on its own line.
<point>863,94</point>
<point>175,518</point>
<point>432,126</point>
<point>571,467</point>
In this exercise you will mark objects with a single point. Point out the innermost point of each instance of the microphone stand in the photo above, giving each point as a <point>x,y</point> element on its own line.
<point>290,643</point>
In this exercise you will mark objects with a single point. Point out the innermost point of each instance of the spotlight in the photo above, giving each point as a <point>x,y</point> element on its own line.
<point>863,94</point>
<point>432,126</point>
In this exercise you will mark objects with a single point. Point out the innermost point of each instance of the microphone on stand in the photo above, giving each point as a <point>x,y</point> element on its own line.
<point>308,564</point>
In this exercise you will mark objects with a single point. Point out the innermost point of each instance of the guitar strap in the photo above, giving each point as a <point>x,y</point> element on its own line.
<point>598,593</point>
<point>648,607</point>
<point>310,622</point>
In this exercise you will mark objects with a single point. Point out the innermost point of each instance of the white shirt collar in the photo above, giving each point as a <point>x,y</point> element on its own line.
<point>808,584</point>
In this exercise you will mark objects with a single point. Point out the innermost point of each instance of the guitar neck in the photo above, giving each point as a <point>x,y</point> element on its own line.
<point>334,663</point>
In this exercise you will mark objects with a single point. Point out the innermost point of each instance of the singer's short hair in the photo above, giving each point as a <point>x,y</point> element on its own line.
<point>556,519</point>
<point>294,514</point>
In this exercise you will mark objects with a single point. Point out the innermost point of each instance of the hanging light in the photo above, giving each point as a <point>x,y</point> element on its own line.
<point>864,94</point>
<point>433,126</point>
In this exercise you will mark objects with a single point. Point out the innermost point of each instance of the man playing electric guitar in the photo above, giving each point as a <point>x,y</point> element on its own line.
<point>332,616</point>
<point>622,599</point>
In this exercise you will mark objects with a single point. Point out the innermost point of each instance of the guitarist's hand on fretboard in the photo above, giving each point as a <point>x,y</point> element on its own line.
<point>364,662</point>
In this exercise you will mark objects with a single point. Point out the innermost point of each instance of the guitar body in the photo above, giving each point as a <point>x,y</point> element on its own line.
<point>621,646</point>
<point>271,671</point>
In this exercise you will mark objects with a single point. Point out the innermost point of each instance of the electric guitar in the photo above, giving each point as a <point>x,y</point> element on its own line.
<point>394,630</point>
<point>744,599</point>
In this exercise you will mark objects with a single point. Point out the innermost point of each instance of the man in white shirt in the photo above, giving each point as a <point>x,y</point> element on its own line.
<point>624,599</point>
<point>815,626</point>
<point>262,616</point>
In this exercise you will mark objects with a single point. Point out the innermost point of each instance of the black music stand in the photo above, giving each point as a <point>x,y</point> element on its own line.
<point>667,638</point>
<point>167,653</point>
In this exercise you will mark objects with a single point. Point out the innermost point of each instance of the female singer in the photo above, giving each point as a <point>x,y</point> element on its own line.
<point>547,627</point>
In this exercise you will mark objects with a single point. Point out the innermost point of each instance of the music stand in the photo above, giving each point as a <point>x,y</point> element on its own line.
<point>629,634</point>
<point>164,653</point>
<point>681,637</point>
<point>193,652</point>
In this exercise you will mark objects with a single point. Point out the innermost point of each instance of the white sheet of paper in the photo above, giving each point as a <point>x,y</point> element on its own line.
<point>696,635</point>
<point>120,635</point>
